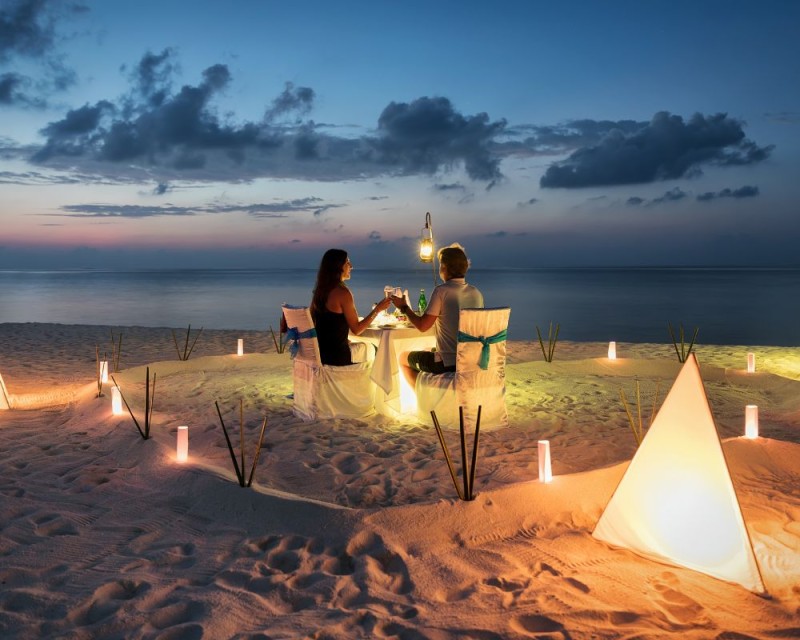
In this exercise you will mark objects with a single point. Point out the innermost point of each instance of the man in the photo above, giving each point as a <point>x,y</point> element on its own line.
<point>443,310</point>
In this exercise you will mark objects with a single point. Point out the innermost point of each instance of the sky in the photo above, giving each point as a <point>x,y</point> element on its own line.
<point>254,133</point>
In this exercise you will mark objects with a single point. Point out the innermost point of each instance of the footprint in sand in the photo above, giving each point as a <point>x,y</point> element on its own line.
<point>679,609</point>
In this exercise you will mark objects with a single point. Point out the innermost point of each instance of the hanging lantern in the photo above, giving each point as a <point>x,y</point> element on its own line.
<point>182,454</point>
<point>426,241</point>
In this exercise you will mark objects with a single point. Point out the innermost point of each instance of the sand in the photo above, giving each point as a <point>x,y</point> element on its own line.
<point>352,528</point>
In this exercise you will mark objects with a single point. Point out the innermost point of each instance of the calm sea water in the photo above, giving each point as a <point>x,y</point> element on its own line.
<point>730,306</point>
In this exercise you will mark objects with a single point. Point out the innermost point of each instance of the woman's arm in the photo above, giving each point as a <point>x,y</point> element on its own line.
<point>423,322</point>
<point>344,298</point>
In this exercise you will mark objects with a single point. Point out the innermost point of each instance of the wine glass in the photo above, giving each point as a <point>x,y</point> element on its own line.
<point>388,290</point>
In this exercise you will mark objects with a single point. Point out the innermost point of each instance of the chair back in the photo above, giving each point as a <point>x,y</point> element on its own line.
<point>301,334</point>
<point>482,339</point>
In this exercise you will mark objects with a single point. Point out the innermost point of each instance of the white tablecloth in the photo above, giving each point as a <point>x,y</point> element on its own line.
<point>386,374</point>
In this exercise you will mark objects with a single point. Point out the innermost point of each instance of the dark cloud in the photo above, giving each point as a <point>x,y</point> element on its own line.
<point>560,138</point>
<point>428,134</point>
<point>746,191</point>
<point>14,90</point>
<point>293,100</point>
<point>673,195</point>
<point>28,30</point>
<point>161,188</point>
<point>258,210</point>
<point>454,186</point>
<point>667,148</point>
<point>635,201</point>
<point>375,236</point>
<point>527,203</point>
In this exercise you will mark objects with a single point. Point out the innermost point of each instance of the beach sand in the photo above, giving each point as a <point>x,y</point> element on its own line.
<point>351,528</point>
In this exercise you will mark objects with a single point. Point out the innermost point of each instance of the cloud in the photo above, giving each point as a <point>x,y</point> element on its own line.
<point>297,100</point>
<point>257,210</point>
<point>746,191</point>
<point>455,186</point>
<point>161,188</point>
<point>428,134</point>
<point>527,203</point>
<point>28,31</point>
<point>667,148</point>
<point>673,195</point>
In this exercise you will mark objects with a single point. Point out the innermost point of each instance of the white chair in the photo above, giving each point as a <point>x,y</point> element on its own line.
<point>324,391</point>
<point>479,378</point>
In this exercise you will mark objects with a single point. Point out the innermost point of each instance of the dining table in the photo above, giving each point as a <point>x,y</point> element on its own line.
<point>394,397</point>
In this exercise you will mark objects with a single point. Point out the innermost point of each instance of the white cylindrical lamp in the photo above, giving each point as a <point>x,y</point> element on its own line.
<point>104,371</point>
<point>612,350</point>
<point>545,472</point>
<point>182,453</point>
<point>116,401</point>
<point>751,363</point>
<point>751,421</point>
<point>240,347</point>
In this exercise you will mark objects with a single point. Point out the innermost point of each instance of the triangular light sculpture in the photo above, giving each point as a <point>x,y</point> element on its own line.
<point>676,502</point>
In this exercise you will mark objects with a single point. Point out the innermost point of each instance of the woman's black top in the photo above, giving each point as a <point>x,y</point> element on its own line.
<point>332,332</point>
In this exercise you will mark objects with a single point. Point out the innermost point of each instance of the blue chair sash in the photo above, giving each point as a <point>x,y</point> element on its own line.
<point>295,336</point>
<point>483,363</point>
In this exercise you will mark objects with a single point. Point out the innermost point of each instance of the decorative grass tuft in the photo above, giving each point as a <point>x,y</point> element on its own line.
<point>99,372</point>
<point>278,341</point>
<point>552,338</point>
<point>116,350</point>
<point>637,424</point>
<point>236,466</point>
<point>683,352</point>
<point>467,468</point>
<point>187,350</point>
<point>149,398</point>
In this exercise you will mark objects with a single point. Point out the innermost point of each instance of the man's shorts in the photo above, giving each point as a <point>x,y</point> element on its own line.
<point>426,362</point>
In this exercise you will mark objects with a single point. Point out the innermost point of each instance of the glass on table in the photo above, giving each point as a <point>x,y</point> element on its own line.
<point>388,290</point>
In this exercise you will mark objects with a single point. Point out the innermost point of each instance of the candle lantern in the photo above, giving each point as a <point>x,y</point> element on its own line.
<point>751,363</point>
<point>426,241</point>
<point>751,421</point>
<point>183,444</point>
<point>545,472</point>
<point>612,350</point>
<point>104,371</point>
<point>240,347</point>
<point>116,402</point>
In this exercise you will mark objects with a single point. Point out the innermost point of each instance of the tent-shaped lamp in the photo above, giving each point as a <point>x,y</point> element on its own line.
<point>676,502</point>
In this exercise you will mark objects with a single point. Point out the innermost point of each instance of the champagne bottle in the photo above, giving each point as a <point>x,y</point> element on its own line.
<point>422,303</point>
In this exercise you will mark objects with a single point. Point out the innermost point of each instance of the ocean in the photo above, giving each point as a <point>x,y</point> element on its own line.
<point>730,306</point>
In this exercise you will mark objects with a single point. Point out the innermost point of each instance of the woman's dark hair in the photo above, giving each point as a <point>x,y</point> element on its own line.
<point>329,276</point>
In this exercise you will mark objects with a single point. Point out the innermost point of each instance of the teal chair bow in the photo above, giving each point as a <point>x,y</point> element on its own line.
<point>295,336</point>
<point>483,363</point>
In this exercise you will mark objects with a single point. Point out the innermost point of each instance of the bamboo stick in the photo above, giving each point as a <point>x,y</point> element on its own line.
<point>474,455</point>
<point>230,447</point>
<point>446,454</point>
<point>258,452</point>
<point>464,461</point>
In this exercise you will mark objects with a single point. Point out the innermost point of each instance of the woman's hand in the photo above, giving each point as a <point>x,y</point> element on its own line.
<point>383,305</point>
<point>397,301</point>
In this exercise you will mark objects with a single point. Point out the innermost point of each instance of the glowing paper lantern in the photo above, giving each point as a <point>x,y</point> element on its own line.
<point>116,402</point>
<point>240,347</point>
<point>751,363</point>
<point>751,421</point>
<point>612,350</point>
<point>545,472</point>
<point>104,371</point>
<point>182,454</point>
<point>676,502</point>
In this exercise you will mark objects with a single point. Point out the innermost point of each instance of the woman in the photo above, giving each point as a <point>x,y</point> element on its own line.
<point>334,311</point>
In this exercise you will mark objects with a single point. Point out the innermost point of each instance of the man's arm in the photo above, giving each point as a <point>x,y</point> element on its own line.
<point>422,323</point>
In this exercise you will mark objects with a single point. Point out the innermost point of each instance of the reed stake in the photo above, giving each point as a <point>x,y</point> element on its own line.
<point>258,452</point>
<point>239,476</point>
<point>474,455</point>
<point>446,454</point>
<point>128,407</point>
<point>464,469</point>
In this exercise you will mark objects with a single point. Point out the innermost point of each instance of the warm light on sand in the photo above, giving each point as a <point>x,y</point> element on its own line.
<point>545,472</point>
<point>612,350</point>
<point>240,347</point>
<point>751,363</point>
<point>116,402</point>
<point>408,397</point>
<point>183,444</point>
<point>751,421</point>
